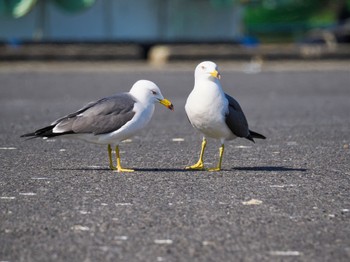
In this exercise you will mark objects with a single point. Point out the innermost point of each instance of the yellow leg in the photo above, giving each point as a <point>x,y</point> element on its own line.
<point>199,165</point>
<point>110,158</point>
<point>119,167</point>
<point>221,153</point>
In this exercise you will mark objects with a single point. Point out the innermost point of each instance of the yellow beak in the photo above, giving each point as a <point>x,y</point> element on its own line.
<point>167,103</point>
<point>215,74</point>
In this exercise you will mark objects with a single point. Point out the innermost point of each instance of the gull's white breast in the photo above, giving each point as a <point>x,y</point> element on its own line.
<point>206,108</point>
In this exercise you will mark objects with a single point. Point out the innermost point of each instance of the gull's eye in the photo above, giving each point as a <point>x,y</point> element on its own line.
<point>203,67</point>
<point>153,92</point>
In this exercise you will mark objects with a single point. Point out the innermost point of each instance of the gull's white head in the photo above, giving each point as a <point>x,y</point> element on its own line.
<point>207,70</point>
<point>148,92</point>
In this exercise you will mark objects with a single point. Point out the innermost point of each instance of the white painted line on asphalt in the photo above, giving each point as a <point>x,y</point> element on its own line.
<point>62,150</point>
<point>123,204</point>
<point>80,228</point>
<point>285,253</point>
<point>243,147</point>
<point>282,186</point>
<point>7,148</point>
<point>8,198</point>
<point>40,178</point>
<point>123,238</point>
<point>28,194</point>
<point>104,204</point>
<point>163,241</point>
<point>252,202</point>
<point>178,139</point>
<point>127,141</point>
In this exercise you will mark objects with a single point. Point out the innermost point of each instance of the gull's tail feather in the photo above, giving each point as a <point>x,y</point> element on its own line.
<point>44,132</point>
<point>256,135</point>
<point>253,135</point>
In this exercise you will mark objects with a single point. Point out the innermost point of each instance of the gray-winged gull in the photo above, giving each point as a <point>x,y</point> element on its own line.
<point>214,113</point>
<point>109,120</point>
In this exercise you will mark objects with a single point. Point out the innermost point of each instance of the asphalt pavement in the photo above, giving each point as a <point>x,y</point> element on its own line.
<point>285,198</point>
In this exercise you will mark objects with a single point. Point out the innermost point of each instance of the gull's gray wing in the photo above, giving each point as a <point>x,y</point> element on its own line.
<point>235,118</point>
<point>100,117</point>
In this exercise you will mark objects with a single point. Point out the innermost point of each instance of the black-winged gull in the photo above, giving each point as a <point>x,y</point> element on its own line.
<point>109,120</point>
<point>214,113</point>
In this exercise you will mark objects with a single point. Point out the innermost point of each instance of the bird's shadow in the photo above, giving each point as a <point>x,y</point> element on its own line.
<point>108,169</point>
<point>173,170</point>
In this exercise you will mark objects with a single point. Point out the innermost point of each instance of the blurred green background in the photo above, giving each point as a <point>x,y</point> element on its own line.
<point>284,20</point>
<point>265,21</point>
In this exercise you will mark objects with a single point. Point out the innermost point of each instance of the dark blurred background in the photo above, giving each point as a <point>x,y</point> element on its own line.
<point>136,29</point>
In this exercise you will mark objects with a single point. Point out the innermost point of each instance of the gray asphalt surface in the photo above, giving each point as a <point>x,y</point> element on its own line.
<point>286,198</point>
